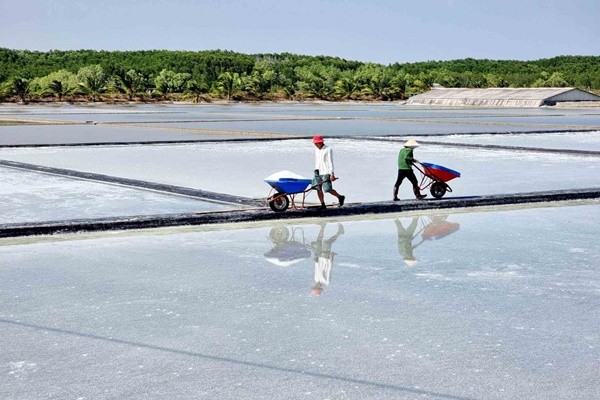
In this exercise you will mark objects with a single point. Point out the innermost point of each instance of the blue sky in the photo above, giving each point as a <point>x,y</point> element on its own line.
<point>382,31</point>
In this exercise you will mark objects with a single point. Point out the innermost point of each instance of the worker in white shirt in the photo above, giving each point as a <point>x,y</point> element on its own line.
<point>323,257</point>
<point>324,174</point>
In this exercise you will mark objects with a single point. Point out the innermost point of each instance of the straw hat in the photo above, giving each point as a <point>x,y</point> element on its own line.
<point>411,143</point>
<point>410,262</point>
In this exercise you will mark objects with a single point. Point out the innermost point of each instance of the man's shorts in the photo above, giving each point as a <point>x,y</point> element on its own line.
<point>326,186</point>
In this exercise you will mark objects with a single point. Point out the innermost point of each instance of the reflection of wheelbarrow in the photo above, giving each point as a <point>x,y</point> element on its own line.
<point>435,177</point>
<point>438,229</point>
<point>285,185</point>
<point>287,249</point>
<point>428,228</point>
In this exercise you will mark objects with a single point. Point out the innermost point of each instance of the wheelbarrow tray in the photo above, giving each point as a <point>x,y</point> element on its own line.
<point>290,185</point>
<point>439,229</point>
<point>439,173</point>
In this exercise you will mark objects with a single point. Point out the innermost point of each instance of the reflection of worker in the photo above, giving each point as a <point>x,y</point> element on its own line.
<point>323,257</point>
<point>405,162</point>
<point>405,241</point>
<point>324,174</point>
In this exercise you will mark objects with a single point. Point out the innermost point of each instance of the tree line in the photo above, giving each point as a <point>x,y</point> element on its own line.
<point>207,75</point>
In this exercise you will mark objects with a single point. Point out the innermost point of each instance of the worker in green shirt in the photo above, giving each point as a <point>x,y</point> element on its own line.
<point>405,161</point>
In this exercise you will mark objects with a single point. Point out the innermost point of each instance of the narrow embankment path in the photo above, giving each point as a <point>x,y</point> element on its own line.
<point>264,214</point>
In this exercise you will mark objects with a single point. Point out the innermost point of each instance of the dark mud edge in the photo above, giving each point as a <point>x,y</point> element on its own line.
<point>166,220</point>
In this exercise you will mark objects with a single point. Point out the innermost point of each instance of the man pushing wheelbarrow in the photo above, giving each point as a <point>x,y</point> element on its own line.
<point>324,174</point>
<point>405,162</point>
<point>433,176</point>
<point>288,185</point>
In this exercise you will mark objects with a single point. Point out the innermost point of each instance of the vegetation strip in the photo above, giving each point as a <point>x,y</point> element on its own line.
<point>263,214</point>
<point>159,75</point>
<point>159,187</point>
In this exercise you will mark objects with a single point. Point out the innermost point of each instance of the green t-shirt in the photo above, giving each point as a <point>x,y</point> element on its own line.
<point>405,158</point>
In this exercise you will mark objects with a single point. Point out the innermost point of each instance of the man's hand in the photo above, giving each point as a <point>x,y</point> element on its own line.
<point>332,177</point>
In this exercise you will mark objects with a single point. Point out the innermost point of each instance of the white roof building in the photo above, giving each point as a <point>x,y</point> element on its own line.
<point>500,97</point>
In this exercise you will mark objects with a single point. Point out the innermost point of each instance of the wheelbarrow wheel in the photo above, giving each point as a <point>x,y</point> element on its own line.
<point>280,203</point>
<point>279,234</point>
<point>438,189</point>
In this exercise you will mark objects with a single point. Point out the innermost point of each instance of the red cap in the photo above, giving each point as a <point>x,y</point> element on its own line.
<point>318,139</point>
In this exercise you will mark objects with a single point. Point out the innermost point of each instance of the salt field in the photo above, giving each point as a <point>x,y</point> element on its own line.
<point>586,141</point>
<point>466,303</point>
<point>33,197</point>
<point>498,304</point>
<point>367,169</point>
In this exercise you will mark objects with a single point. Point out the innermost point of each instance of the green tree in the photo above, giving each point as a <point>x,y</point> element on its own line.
<point>20,87</point>
<point>349,85</point>
<point>261,81</point>
<point>317,80</point>
<point>169,81</point>
<point>197,87</point>
<point>229,83</point>
<point>92,81</point>
<point>557,80</point>
<point>130,82</point>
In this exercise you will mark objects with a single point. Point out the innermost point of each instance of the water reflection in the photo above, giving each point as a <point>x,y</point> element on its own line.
<point>289,246</point>
<point>323,257</point>
<point>419,230</point>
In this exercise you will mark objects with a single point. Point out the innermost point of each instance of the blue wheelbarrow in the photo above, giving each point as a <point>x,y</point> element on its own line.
<point>284,191</point>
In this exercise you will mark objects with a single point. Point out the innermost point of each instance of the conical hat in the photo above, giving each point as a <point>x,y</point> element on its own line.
<point>410,262</point>
<point>411,143</point>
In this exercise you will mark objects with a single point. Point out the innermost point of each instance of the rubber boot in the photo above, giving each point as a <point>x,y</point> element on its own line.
<point>395,194</point>
<point>418,194</point>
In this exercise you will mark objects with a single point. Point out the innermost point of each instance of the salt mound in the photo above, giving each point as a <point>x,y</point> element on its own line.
<point>283,174</point>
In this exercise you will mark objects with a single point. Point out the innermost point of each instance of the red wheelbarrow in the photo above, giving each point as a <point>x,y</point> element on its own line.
<point>435,178</point>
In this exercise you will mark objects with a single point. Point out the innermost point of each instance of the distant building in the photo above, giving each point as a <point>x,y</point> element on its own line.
<point>500,97</point>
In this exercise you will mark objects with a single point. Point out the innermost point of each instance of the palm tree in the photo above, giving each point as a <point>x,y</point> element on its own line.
<point>229,83</point>
<point>92,86</point>
<point>92,81</point>
<point>197,87</point>
<point>348,85</point>
<point>20,87</point>
<point>58,89</point>
<point>130,82</point>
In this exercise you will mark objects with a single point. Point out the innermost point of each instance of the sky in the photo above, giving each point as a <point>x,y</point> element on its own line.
<point>380,31</point>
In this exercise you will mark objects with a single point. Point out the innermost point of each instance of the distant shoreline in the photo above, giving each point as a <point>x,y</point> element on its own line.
<point>124,102</point>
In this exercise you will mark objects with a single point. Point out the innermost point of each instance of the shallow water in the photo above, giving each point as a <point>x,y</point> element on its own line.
<point>508,298</point>
<point>172,122</point>
<point>36,197</point>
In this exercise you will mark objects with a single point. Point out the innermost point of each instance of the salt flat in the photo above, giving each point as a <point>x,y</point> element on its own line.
<point>367,169</point>
<point>494,303</point>
<point>34,197</point>
<point>498,304</point>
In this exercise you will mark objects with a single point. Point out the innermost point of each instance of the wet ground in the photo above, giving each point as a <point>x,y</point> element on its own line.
<point>487,303</point>
<point>478,305</point>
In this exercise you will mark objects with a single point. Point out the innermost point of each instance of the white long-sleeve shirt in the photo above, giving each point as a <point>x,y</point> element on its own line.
<point>323,268</point>
<point>324,160</point>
